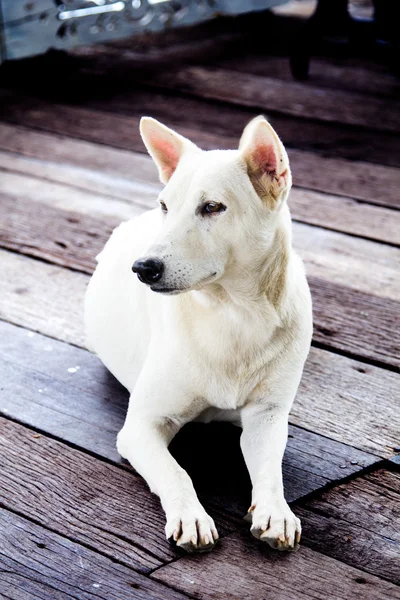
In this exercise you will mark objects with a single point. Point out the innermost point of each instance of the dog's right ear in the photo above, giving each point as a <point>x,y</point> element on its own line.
<point>164,145</point>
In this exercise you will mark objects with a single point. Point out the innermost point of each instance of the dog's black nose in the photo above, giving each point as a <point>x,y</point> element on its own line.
<point>149,270</point>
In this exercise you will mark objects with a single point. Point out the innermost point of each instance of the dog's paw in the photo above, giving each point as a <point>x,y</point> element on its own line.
<point>276,525</point>
<point>192,529</point>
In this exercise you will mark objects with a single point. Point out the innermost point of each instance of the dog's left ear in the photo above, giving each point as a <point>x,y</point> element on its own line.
<point>266,161</point>
<point>165,146</point>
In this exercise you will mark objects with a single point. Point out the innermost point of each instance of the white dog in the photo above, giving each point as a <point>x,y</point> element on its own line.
<point>216,325</point>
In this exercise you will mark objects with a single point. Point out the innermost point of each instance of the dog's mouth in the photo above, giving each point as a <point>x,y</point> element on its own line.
<point>174,291</point>
<point>168,291</point>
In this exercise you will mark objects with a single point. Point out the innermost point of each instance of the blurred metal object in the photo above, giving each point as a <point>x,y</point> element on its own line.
<point>29,27</point>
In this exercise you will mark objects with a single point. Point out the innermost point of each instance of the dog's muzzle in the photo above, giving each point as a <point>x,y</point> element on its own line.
<point>149,270</point>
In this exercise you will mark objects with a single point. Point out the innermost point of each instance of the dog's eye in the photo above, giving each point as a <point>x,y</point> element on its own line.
<point>212,208</point>
<point>163,206</point>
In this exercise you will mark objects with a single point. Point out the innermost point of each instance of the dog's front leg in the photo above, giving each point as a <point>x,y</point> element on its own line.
<point>144,442</point>
<point>263,443</point>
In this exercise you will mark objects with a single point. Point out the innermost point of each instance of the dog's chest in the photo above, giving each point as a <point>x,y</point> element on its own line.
<point>232,353</point>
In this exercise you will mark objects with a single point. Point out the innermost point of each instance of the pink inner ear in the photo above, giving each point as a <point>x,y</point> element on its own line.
<point>264,158</point>
<point>167,154</point>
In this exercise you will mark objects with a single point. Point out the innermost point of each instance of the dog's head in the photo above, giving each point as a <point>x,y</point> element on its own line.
<point>219,208</point>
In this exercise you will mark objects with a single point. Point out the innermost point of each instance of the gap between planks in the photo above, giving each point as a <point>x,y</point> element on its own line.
<point>335,213</point>
<point>52,478</point>
<point>134,182</point>
<point>23,534</point>
<point>355,522</point>
<point>270,573</point>
<point>53,564</point>
<point>242,87</point>
<point>56,155</point>
<point>114,123</point>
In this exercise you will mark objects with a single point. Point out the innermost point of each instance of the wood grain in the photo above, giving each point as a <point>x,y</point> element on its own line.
<point>375,184</point>
<point>288,97</point>
<point>75,187</point>
<point>342,255</point>
<point>337,73</point>
<point>62,237</point>
<point>345,215</point>
<point>37,563</point>
<point>42,297</point>
<point>94,116</point>
<point>130,174</point>
<point>107,508</point>
<point>92,528</point>
<point>250,570</point>
<point>338,397</point>
<point>359,324</point>
<point>239,45</point>
<point>358,523</point>
<point>212,77</point>
<point>87,407</point>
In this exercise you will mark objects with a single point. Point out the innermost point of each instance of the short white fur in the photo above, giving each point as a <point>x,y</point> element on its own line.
<point>223,335</point>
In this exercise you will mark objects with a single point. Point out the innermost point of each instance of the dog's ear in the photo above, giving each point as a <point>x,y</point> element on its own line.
<point>266,161</point>
<point>164,145</point>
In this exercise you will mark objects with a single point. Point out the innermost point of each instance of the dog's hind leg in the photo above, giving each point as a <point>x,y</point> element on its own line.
<point>144,442</point>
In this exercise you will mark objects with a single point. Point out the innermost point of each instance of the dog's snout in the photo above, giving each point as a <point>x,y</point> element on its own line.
<point>149,270</point>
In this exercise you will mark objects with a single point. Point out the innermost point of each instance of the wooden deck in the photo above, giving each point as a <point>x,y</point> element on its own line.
<point>78,523</point>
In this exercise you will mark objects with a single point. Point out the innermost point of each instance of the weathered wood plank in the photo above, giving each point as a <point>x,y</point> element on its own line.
<point>358,522</point>
<point>344,256</point>
<point>82,188</point>
<point>132,175</point>
<point>218,45</point>
<point>66,392</point>
<point>375,184</point>
<point>37,563</point>
<point>242,85</point>
<point>338,398</point>
<point>332,386</point>
<point>351,320</point>
<point>345,215</point>
<point>42,297</point>
<point>62,237</point>
<point>324,72</point>
<point>115,122</point>
<point>218,41</point>
<point>359,324</point>
<point>77,195</point>
<point>250,570</point>
<point>288,97</point>
<point>107,508</point>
